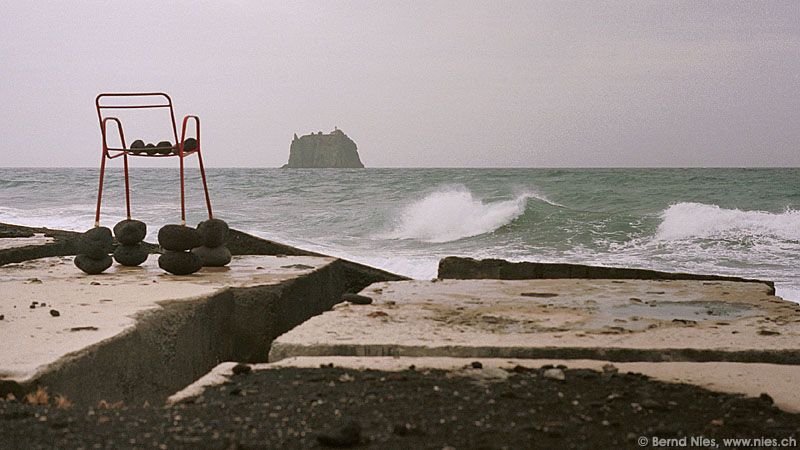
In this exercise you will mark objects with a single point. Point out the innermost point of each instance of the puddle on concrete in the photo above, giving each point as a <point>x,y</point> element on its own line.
<point>637,316</point>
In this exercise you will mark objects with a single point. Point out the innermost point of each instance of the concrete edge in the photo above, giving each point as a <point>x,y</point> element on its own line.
<point>747,379</point>
<point>285,350</point>
<point>462,268</point>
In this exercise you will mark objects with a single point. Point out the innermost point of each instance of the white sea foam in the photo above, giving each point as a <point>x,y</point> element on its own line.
<point>453,213</point>
<point>699,220</point>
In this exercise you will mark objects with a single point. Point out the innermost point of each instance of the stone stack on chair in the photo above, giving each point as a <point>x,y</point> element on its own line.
<point>93,249</point>
<point>130,234</point>
<point>177,241</point>
<point>213,253</point>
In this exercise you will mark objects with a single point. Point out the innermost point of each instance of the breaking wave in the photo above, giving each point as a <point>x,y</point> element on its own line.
<point>454,213</point>
<point>699,220</point>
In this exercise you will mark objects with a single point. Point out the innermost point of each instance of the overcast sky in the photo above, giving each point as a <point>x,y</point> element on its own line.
<point>423,83</point>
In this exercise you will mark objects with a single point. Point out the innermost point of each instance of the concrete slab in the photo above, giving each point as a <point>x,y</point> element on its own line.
<point>749,379</point>
<point>93,308</point>
<point>617,320</point>
<point>138,334</point>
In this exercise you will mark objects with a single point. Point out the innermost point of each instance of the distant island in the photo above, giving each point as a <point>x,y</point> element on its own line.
<point>333,150</point>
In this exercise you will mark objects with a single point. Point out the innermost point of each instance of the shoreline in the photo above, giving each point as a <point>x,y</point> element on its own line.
<point>556,292</point>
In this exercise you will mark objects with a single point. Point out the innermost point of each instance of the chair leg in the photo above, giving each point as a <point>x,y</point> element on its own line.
<point>183,203</point>
<point>205,184</point>
<point>127,187</point>
<point>100,188</point>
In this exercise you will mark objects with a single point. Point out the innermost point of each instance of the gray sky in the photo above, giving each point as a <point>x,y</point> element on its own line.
<point>461,83</point>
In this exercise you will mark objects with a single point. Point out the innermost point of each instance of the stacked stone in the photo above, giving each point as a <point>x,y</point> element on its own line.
<point>177,240</point>
<point>93,249</point>
<point>130,234</point>
<point>213,253</point>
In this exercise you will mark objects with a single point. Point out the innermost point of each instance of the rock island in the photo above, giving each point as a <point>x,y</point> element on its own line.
<point>333,150</point>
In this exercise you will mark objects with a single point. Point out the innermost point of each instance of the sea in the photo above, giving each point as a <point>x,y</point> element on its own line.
<point>742,222</point>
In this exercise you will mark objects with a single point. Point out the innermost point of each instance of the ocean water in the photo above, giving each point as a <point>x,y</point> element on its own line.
<point>743,222</point>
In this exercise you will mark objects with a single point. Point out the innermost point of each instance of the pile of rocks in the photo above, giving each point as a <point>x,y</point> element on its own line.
<point>213,253</point>
<point>177,241</point>
<point>162,148</point>
<point>130,234</point>
<point>93,249</point>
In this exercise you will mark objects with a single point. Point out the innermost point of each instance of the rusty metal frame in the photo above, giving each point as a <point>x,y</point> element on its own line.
<point>125,151</point>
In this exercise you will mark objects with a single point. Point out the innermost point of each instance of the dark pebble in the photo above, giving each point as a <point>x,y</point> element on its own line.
<point>2,316</point>
<point>348,436</point>
<point>130,255</point>
<point>213,232</point>
<point>178,238</point>
<point>164,147</point>
<point>189,144</point>
<point>764,397</point>
<point>92,266</point>
<point>356,299</point>
<point>130,232</point>
<point>405,429</point>
<point>54,313</point>
<point>477,365</point>
<point>137,146</point>
<point>179,263</point>
<point>652,404</point>
<point>150,149</point>
<point>96,243</point>
<point>213,257</point>
<point>240,369</point>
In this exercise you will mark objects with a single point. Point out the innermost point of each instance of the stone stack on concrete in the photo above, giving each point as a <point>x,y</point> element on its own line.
<point>213,252</point>
<point>177,241</point>
<point>93,249</point>
<point>130,234</point>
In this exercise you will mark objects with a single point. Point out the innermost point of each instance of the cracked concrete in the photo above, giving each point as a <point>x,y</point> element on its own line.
<point>617,320</point>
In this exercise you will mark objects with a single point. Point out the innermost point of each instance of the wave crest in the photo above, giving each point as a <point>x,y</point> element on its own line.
<point>699,220</point>
<point>454,213</point>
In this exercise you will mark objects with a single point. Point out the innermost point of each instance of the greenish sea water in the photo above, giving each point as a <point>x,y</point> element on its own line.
<point>743,222</point>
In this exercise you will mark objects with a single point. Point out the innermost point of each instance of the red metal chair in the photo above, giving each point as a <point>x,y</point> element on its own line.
<point>111,153</point>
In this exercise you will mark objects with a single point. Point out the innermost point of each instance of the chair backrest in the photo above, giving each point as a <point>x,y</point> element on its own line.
<point>134,100</point>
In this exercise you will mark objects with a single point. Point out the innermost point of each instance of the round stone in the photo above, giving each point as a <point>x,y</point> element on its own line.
<point>92,266</point>
<point>96,243</point>
<point>130,255</point>
<point>213,257</point>
<point>179,263</point>
<point>137,146</point>
<point>150,149</point>
<point>178,238</point>
<point>189,144</point>
<point>164,147</point>
<point>130,232</point>
<point>214,232</point>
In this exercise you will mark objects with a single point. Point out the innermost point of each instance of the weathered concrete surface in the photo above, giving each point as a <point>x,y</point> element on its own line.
<point>616,320</point>
<point>749,379</point>
<point>137,333</point>
<point>454,267</point>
